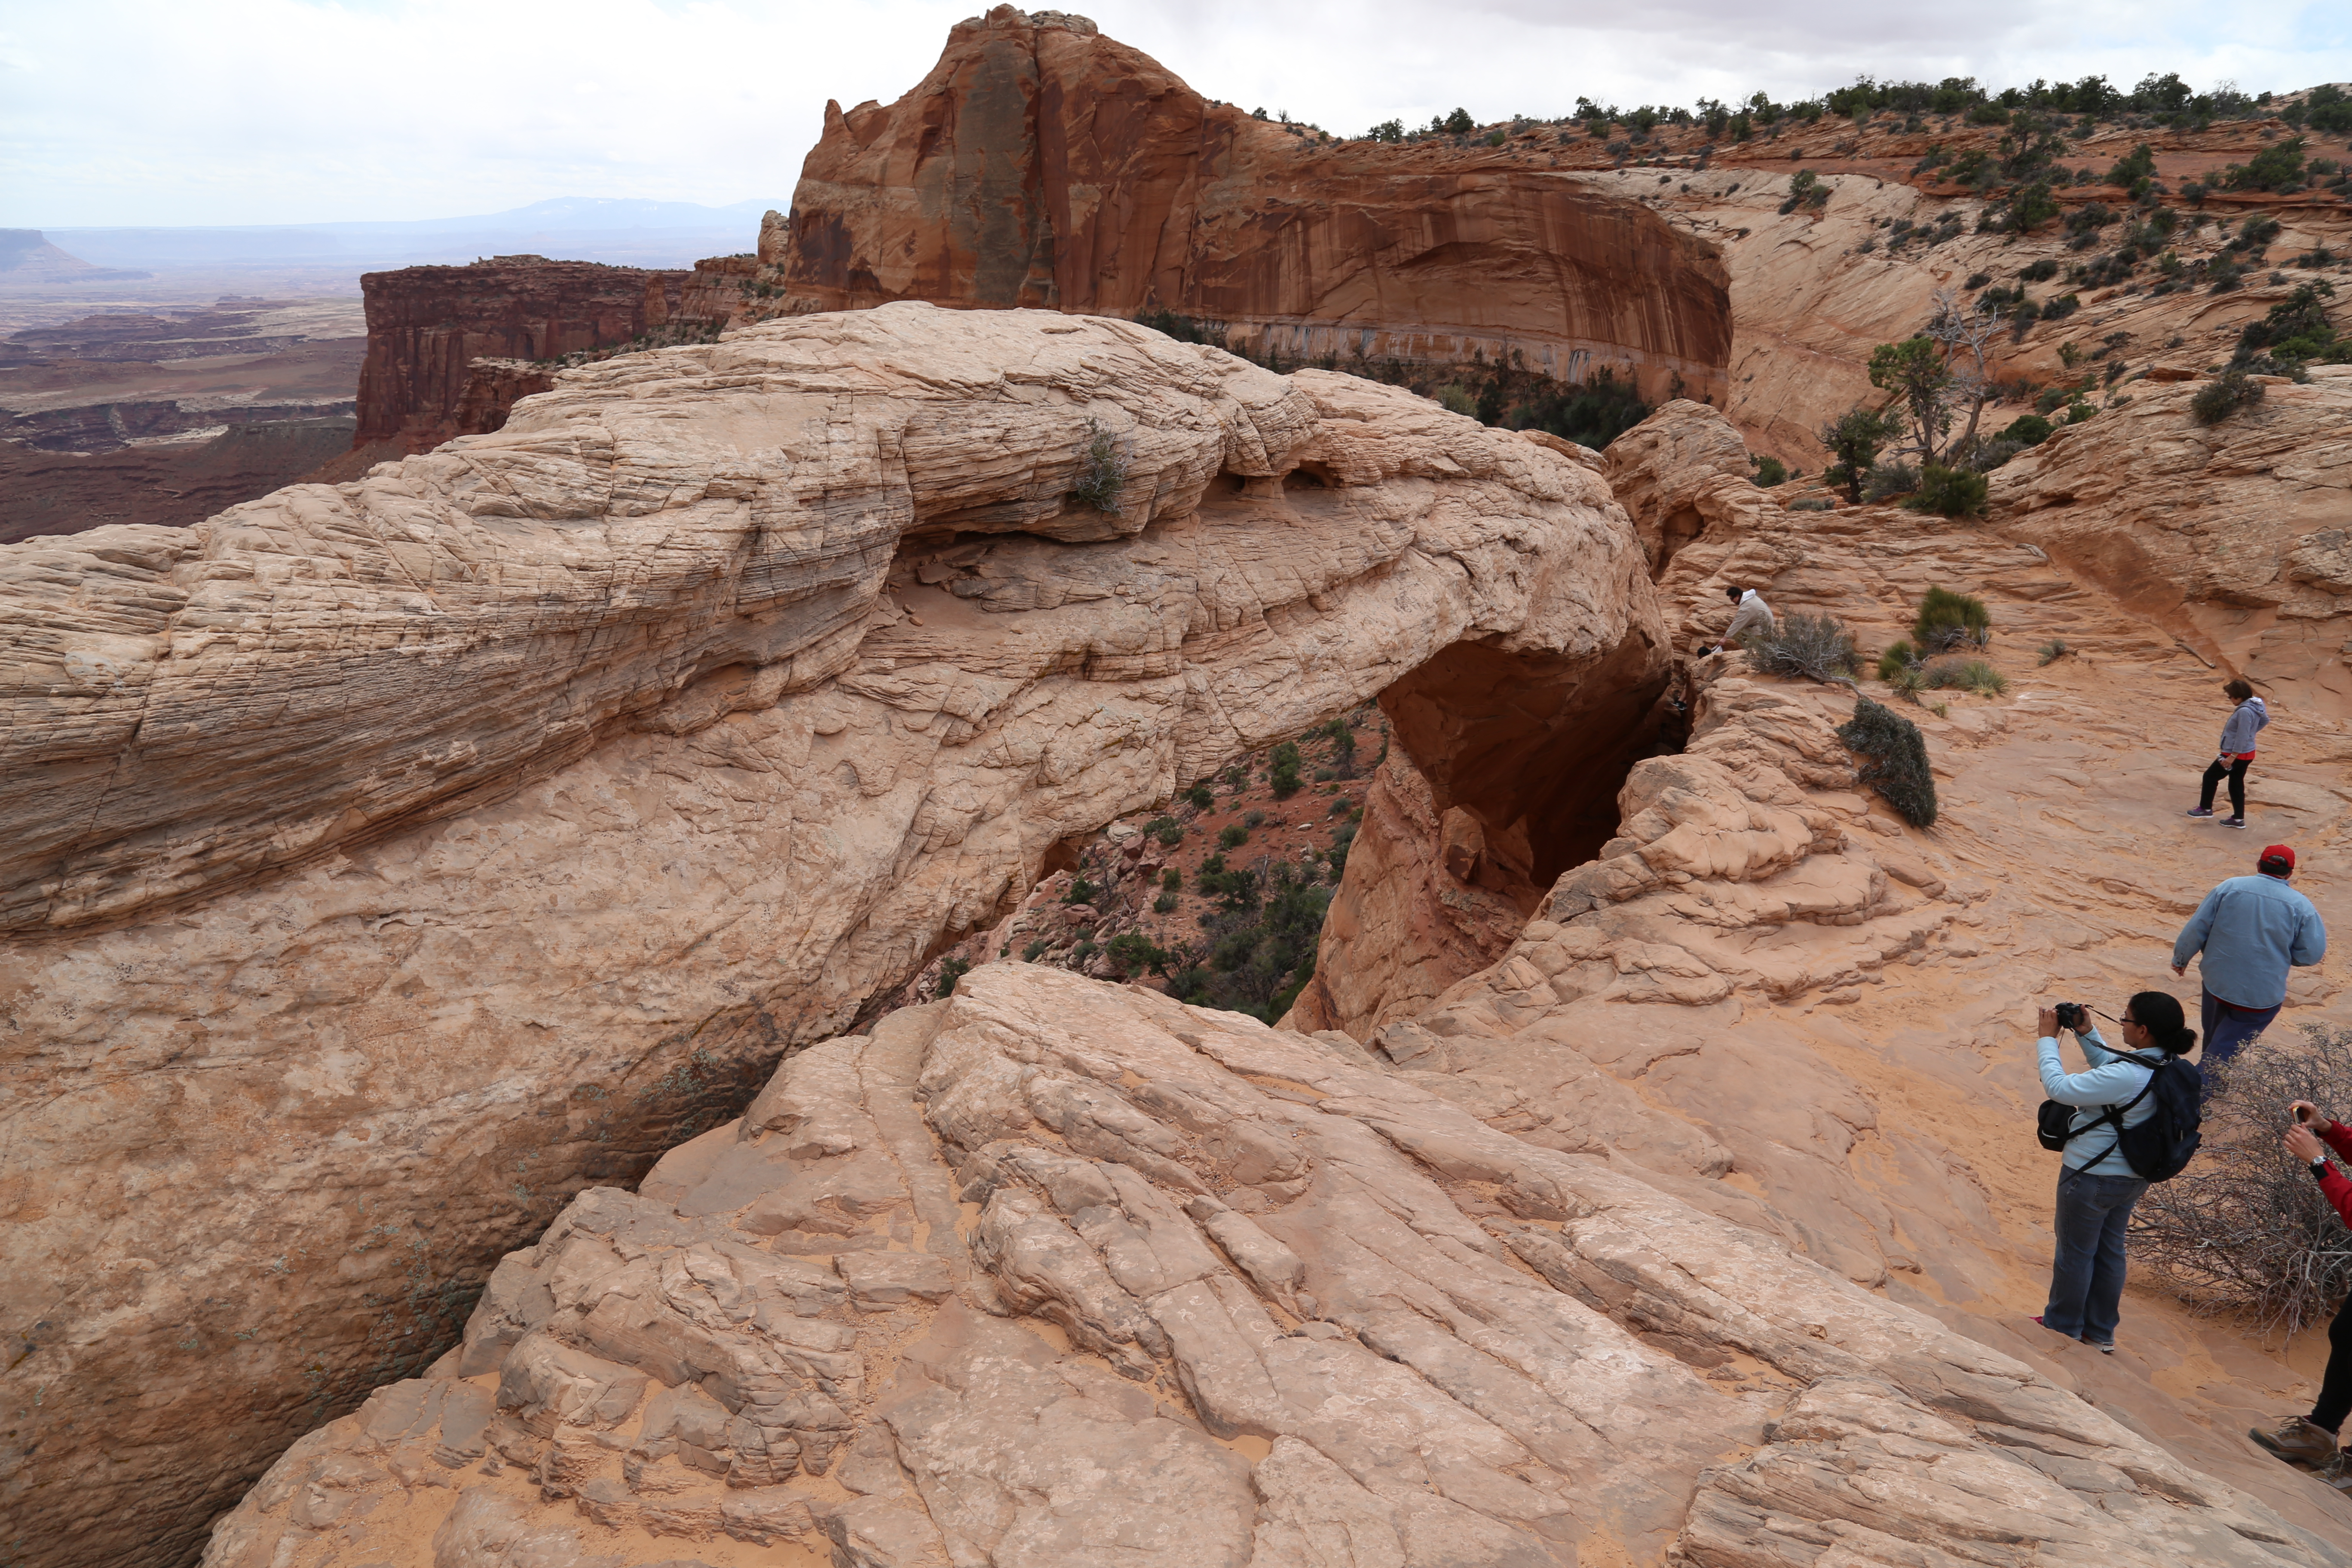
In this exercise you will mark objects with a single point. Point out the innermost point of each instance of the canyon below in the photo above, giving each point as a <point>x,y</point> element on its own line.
<point>998,885</point>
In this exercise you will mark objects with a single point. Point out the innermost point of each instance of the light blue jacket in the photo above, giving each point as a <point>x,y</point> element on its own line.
<point>2113,1080</point>
<point>2250,930</point>
<point>2246,721</point>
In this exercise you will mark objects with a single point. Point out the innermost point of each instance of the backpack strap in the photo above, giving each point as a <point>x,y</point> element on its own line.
<point>2113,1115</point>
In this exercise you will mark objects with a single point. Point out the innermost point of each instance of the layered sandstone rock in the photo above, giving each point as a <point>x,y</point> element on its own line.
<point>395,859</point>
<point>1055,1272</point>
<point>2236,537</point>
<point>426,325</point>
<point>1040,163</point>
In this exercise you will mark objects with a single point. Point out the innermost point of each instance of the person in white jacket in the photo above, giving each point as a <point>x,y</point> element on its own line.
<point>1753,614</point>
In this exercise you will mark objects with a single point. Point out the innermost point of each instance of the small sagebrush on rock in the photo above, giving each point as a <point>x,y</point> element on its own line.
<point>1894,760</point>
<point>1815,647</point>
<point>1103,469</point>
<point>2224,396</point>
<point>2244,1228</point>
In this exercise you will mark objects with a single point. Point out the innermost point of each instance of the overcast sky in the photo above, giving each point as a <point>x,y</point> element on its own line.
<point>239,111</point>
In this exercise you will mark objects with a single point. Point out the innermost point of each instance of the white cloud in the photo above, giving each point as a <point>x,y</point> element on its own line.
<point>155,111</point>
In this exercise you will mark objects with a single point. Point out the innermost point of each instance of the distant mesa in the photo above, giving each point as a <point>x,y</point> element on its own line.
<point>28,257</point>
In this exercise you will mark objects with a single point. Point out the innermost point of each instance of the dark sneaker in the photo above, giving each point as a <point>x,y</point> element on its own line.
<point>2199,811</point>
<point>2233,821</point>
<point>2298,1442</point>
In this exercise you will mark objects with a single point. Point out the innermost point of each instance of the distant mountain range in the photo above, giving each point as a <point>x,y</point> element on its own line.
<point>587,228</point>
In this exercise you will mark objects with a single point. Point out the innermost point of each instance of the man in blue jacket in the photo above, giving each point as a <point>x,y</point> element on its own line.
<point>2249,929</point>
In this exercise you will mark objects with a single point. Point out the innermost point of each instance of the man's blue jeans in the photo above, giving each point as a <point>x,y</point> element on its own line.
<point>2087,1275</point>
<point>2228,1027</point>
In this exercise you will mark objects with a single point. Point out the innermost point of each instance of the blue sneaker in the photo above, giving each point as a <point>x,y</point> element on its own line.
<point>2233,821</point>
<point>2200,811</point>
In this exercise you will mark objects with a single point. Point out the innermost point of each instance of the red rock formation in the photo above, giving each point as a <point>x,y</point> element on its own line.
<point>426,325</point>
<point>1041,164</point>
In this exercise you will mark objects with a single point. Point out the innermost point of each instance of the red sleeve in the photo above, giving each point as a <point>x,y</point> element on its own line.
<point>2337,1190</point>
<point>2338,1137</point>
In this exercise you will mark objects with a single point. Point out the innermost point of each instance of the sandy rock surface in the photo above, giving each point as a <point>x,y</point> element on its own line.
<point>2236,537</point>
<point>1185,1289</point>
<point>394,859</point>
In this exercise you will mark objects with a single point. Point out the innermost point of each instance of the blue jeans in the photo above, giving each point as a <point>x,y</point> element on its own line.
<point>2087,1274</point>
<point>2228,1027</point>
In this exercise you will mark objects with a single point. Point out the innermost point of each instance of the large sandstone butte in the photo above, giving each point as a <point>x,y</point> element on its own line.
<point>394,859</point>
<point>1043,165</point>
<point>426,325</point>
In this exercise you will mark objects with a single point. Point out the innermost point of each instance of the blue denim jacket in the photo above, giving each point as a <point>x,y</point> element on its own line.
<point>2249,929</point>
<point>2113,1080</point>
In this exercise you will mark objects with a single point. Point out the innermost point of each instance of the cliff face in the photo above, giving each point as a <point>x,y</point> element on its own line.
<point>396,858</point>
<point>427,324</point>
<point>1041,164</point>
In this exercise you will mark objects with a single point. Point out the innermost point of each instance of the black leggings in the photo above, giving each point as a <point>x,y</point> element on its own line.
<point>2336,1384</point>
<point>2237,772</point>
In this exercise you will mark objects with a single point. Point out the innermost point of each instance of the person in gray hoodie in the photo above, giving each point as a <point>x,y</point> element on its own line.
<point>2246,721</point>
<point>1750,614</point>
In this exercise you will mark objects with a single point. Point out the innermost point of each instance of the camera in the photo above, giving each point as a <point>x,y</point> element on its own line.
<point>2071,1015</point>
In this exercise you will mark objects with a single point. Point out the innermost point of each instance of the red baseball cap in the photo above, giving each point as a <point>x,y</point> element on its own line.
<point>2277,858</point>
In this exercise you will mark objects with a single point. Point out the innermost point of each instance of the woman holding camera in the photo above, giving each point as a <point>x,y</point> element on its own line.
<point>2097,1185</point>
<point>2310,1440</point>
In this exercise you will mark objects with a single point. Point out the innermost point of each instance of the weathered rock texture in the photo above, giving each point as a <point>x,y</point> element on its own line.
<point>393,859</point>
<point>2235,537</point>
<point>1041,164</point>
<point>426,325</point>
<point>1060,1273</point>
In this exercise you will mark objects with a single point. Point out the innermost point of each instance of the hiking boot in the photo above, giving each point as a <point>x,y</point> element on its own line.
<point>2200,811</point>
<point>2338,1473</point>
<point>2298,1442</point>
<point>2233,821</point>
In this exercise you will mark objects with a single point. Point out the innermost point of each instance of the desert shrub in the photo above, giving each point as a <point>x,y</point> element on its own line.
<point>1166,829</point>
<point>1132,950</point>
<point>1172,879</point>
<point>2225,394</point>
<point>1102,469</point>
<point>952,970</point>
<point>1945,620</point>
<point>1770,471</point>
<point>1991,454</point>
<point>1950,492</point>
<point>1955,674</point>
<point>1284,773</point>
<point>1818,503</point>
<point>2244,1228</point>
<point>1898,657</point>
<point>1252,820</point>
<point>1262,943</point>
<point>2054,651</point>
<point>1233,836</point>
<point>1456,399</point>
<point>1035,950</point>
<point>1081,890</point>
<point>1815,647</point>
<point>1164,904</point>
<point>1889,480</point>
<point>1201,797</point>
<point>2041,271</point>
<point>2027,430</point>
<point>1894,760</point>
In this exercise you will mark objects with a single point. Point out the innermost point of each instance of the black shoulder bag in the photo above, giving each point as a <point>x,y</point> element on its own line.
<point>2050,1122</point>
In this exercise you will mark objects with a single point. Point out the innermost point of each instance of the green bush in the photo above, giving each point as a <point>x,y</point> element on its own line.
<point>1132,950</point>
<point>1252,820</point>
<point>1815,647</point>
<point>1897,658</point>
<point>2054,649</point>
<point>1233,836</point>
<point>2027,430</point>
<point>1965,674</point>
<point>1770,471</point>
<point>1952,492</point>
<point>1172,879</point>
<point>1102,469</point>
<point>1200,797</point>
<point>1284,773</point>
<point>1164,904</point>
<point>1081,890</point>
<point>1890,480</point>
<point>1894,760</point>
<point>1166,829</point>
<point>1947,619</point>
<point>1035,950</point>
<point>2225,394</point>
<point>952,970</point>
<point>1456,399</point>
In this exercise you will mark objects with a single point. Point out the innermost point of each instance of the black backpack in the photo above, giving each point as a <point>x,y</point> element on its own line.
<point>2158,1148</point>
